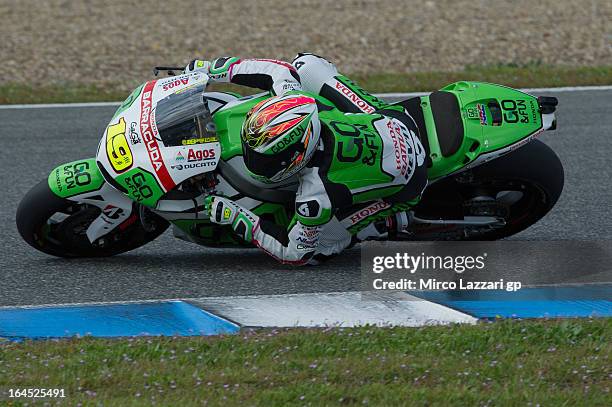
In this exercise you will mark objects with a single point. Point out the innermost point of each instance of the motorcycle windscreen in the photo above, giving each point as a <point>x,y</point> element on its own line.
<point>179,117</point>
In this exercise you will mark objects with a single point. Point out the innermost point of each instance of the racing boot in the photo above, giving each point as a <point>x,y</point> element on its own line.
<point>386,229</point>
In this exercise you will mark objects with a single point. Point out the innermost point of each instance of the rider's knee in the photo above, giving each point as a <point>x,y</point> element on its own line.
<point>413,190</point>
<point>314,71</point>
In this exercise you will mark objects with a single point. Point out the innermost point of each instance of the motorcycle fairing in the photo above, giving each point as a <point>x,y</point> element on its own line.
<point>134,158</point>
<point>468,123</point>
<point>81,181</point>
<point>483,135</point>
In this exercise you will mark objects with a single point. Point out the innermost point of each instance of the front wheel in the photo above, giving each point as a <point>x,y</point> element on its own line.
<point>518,189</point>
<point>58,227</point>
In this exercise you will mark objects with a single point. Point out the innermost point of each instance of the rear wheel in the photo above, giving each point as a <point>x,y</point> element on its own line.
<point>518,189</point>
<point>58,227</point>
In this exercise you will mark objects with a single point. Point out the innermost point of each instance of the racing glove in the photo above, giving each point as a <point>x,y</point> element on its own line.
<point>223,211</point>
<point>197,65</point>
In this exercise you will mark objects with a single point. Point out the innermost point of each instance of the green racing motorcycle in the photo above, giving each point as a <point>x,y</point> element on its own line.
<point>488,177</point>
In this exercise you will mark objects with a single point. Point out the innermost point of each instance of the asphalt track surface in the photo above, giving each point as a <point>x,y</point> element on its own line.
<point>34,141</point>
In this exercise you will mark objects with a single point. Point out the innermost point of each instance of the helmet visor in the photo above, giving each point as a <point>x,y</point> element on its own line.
<point>269,166</point>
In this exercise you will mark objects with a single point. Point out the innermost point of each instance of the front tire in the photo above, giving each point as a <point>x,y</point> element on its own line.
<point>66,237</point>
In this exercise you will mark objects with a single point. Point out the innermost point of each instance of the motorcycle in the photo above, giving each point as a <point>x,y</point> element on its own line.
<point>488,177</point>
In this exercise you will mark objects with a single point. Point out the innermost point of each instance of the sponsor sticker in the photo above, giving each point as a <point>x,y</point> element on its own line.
<point>303,209</point>
<point>369,210</point>
<point>112,212</point>
<point>288,86</point>
<point>354,98</point>
<point>117,147</point>
<point>472,113</point>
<point>188,166</point>
<point>196,155</point>
<point>534,112</point>
<point>307,236</point>
<point>227,213</point>
<point>148,136</point>
<point>400,148</point>
<point>202,140</point>
<point>310,232</point>
<point>168,85</point>
<point>287,141</point>
<point>134,137</point>
<point>482,114</point>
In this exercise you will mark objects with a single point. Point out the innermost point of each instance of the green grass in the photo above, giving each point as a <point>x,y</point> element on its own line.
<point>532,75</point>
<point>14,93</point>
<point>555,363</point>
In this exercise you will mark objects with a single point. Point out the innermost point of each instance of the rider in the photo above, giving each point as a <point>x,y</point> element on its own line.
<point>359,162</point>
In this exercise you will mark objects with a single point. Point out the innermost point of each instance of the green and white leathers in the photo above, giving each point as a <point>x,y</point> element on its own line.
<point>368,163</point>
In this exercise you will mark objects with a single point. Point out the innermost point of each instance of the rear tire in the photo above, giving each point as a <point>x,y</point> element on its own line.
<point>67,238</point>
<point>533,170</point>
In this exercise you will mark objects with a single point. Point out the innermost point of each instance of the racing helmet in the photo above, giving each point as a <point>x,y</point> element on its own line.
<point>279,136</point>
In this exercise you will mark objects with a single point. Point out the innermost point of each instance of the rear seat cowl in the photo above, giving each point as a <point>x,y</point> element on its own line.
<point>449,125</point>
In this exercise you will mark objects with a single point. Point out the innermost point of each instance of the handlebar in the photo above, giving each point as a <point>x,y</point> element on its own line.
<point>169,70</point>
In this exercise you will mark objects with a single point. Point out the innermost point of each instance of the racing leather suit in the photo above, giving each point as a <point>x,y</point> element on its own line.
<point>369,168</point>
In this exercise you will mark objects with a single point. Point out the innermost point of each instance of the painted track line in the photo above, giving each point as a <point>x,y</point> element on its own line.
<point>528,90</point>
<point>92,303</point>
<point>380,95</point>
<point>59,105</point>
